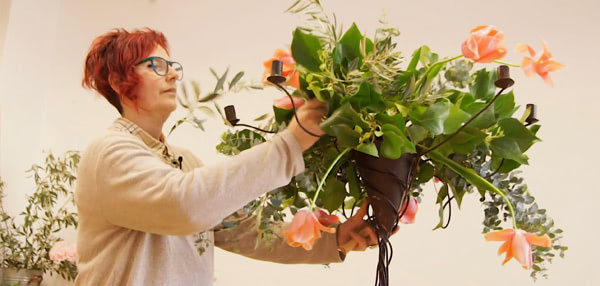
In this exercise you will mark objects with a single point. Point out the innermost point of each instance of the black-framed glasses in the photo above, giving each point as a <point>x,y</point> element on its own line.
<point>161,66</point>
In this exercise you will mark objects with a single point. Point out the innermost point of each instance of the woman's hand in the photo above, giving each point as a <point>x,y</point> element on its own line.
<point>310,116</point>
<point>356,234</point>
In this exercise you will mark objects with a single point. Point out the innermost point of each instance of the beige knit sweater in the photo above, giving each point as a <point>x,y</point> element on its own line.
<point>140,211</point>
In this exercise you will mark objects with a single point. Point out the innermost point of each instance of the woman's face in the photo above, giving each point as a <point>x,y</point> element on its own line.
<point>156,94</point>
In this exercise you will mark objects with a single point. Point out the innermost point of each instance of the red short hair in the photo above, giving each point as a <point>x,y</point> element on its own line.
<point>112,58</point>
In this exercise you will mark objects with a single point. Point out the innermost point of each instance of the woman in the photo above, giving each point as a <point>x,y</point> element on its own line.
<point>141,200</point>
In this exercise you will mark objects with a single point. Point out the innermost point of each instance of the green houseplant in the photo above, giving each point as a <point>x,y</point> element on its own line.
<point>399,122</point>
<point>29,241</point>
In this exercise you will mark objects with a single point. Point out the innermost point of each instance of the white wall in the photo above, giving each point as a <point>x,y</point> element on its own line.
<point>42,106</point>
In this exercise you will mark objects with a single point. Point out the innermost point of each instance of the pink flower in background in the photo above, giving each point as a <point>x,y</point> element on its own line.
<point>286,103</point>
<point>484,44</point>
<point>517,244</point>
<point>304,230</point>
<point>543,65</point>
<point>62,251</point>
<point>408,215</point>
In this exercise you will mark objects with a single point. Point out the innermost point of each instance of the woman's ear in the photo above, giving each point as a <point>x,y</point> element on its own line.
<point>115,83</point>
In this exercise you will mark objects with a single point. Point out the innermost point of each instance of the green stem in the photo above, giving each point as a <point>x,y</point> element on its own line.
<point>473,178</point>
<point>322,182</point>
<point>508,64</point>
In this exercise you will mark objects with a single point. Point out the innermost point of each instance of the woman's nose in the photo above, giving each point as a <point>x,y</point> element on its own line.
<point>172,74</point>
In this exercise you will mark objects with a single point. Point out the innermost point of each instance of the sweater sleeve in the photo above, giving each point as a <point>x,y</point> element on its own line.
<point>242,239</point>
<point>136,190</point>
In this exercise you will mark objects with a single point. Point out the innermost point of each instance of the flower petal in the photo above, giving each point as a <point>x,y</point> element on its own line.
<point>521,249</point>
<point>524,48</point>
<point>501,235</point>
<point>534,239</point>
<point>528,66</point>
<point>484,44</point>
<point>411,206</point>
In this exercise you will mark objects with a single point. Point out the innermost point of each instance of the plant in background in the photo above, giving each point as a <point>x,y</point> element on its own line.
<point>29,240</point>
<point>397,123</point>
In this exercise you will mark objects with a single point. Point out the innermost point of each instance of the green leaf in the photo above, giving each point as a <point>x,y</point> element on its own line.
<point>282,115</point>
<point>467,140</point>
<point>367,97</point>
<point>442,194</point>
<point>425,173</point>
<point>504,106</point>
<point>458,194</point>
<point>353,182</point>
<point>508,148</point>
<point>435,116</point>
<point>427,57</point>
<point>417,133</point>
<point>209,97</point>
<point>412,66</point>
<point>455,119</point>
<point>395,142</point>
<point>344,115</point>
<point>352,39</point>
<point>305,50</point>
<point>221,81</point>
<point>484,87</point>
<point>485,119</point>
<point>346,136</point>
<point>514,129</point>
<point>235,79</point>
<point>396,120</point>
<point>368,148</point>
<point>343,55</point>
<point>434,71</point>
<point>534,129</point>
<point>333,194</point>
<point>262,117</point>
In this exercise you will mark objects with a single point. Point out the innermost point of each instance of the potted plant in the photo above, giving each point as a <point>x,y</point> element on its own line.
<point>29,244</point>
<point>397,123</point>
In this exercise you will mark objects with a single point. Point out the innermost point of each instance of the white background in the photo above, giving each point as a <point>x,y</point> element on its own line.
<point>44,107</point>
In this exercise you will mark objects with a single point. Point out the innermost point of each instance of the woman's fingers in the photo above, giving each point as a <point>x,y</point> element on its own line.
<point>361,242</point>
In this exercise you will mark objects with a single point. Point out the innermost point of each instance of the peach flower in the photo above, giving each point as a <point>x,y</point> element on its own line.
<point>517,244</point>
<point>62,251</point>
<point>543,65</point>
<point>305,229</point>
<point>289,68</point>
<point>484,44</point>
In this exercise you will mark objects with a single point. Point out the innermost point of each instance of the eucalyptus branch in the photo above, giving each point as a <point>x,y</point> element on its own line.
<point>476,180</point>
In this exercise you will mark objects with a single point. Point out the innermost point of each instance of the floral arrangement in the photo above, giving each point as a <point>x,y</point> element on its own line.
<point>397,123</point>
<point>29,241</point>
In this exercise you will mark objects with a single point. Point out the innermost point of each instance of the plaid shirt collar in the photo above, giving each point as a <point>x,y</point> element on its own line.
<point>160,146</point>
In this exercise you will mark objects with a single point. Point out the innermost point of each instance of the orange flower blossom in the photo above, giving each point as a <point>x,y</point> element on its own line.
<point>517,244</point>
<point>543,65</point>
<point>289,67</point>
<point>305,229</point>
<point>484,44</point>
